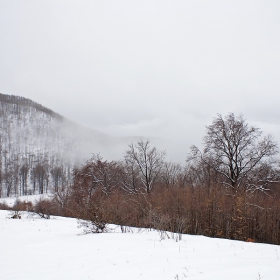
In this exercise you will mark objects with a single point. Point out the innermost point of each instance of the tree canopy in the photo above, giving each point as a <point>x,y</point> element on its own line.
<point>236,150</point>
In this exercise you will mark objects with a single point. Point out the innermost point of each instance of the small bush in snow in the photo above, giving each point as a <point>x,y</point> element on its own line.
<point>92,226</point>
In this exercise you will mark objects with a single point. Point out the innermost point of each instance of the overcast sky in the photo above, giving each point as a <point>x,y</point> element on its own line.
<point>151,68</point>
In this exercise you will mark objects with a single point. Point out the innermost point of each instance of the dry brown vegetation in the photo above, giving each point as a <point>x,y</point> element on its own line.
<point>196,202</point>
<point>207,208</point>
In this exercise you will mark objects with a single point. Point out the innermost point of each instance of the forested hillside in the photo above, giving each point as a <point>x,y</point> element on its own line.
<point>39,148</point>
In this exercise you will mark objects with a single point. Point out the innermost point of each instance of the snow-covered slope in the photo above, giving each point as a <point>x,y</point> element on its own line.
<point>38,147</point>
<point>34,248</point>
<point>10,201</point>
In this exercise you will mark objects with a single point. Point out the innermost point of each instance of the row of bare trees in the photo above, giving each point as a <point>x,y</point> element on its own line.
<point>235,155</point>
<point>40,176</point>
<point>187,205</point>
<point>230,189</point>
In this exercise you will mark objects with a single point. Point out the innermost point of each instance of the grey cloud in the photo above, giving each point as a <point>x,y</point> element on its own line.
<point>160,69</point>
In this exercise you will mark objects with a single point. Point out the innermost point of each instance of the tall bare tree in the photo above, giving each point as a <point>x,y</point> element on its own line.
<point>235,149</point>
<point>148,159</point>
<point>169,173</point>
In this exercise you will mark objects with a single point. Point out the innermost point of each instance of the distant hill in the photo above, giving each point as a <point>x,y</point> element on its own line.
<point>39,148</point>
<point>22,101</point>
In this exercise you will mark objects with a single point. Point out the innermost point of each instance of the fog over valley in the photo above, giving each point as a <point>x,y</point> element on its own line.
<point>156,69</point>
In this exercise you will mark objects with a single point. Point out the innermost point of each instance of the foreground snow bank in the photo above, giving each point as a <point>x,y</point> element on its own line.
<point>34,248</point>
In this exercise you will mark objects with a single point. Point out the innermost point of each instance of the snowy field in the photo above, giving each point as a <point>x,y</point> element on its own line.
<point>34,248</point>
<point>10,201</point>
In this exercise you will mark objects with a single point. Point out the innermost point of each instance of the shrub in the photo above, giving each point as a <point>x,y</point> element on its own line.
<point>44,208</point>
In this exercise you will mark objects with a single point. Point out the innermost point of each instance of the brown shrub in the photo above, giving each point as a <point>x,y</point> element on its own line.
<point>44,208</point>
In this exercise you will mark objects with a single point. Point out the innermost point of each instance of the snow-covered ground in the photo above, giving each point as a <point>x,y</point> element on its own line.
<point>10,201</point>
<point>34,248</point>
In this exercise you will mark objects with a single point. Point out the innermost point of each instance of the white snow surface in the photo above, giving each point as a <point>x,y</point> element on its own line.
<point>10,201</point>
<point>35,248</point>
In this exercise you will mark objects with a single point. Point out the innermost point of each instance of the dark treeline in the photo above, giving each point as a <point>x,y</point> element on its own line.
<point>18,101</point>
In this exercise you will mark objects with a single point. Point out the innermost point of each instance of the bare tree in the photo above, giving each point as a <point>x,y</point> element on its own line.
<point>98,174</point>
<point>148,159</point>
<point>40,176</point>
<point>23,175</point>
<point>235,150</point>
<point>58,177</point>
<point>130,181</point>
<point>169,173</point>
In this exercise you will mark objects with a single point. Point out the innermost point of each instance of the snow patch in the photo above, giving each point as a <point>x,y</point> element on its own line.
<point>33,248</point>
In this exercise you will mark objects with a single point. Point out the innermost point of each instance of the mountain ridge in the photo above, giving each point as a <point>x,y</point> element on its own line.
<point>20,100</point>
<point>39,148</point>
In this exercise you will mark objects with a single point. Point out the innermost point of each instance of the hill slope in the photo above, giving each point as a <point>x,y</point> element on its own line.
<point>55,249</point>
<point>39,148</point>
